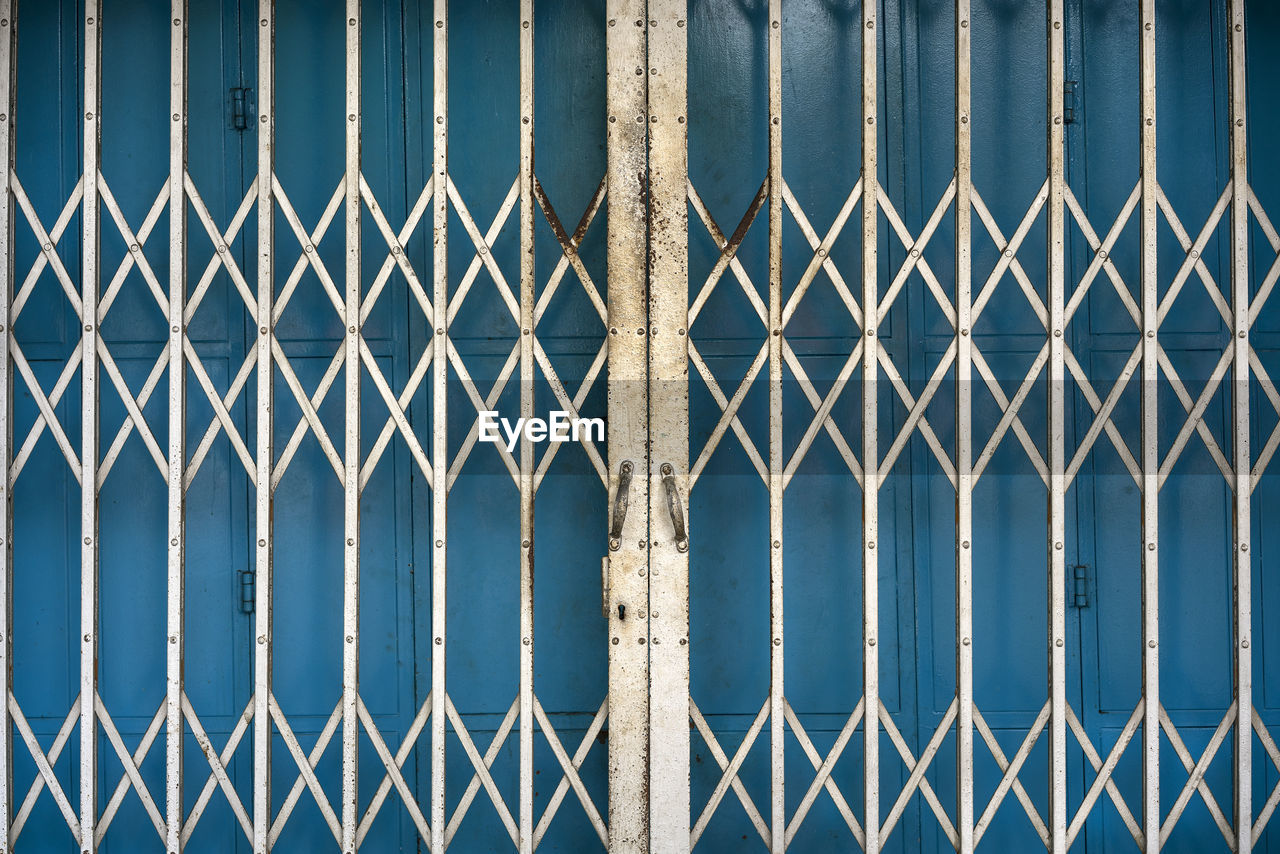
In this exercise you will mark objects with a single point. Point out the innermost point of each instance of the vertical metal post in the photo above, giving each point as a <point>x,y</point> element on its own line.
<point>777,713</point>
<point>439,410</point>
<point>351,451</point>
<point>8,85</point>
<point>177,424</point>
<point>1150,443</point>
<point>669,425</point>
<point>964,439</point>
<point>262,699</point>
<point>628,426</point>
<point>89,431</point>
<point>1056,214</point>
<point>1240,444</point>
<point>527,299</point>
<point>870,454</point>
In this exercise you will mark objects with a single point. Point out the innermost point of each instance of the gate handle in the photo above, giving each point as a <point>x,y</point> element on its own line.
<point>620,502</point>
<point>674,507</point>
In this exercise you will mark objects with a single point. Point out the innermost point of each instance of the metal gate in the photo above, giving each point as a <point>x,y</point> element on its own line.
<point>945,361</point>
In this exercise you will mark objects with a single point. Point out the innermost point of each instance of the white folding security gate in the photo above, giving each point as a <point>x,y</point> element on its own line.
<point>656,457</point>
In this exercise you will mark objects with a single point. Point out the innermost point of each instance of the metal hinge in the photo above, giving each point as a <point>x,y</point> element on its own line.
<point>1069,100</point>
<point>248,590</point>
<point>1081,597</point>
<point>241,101</point>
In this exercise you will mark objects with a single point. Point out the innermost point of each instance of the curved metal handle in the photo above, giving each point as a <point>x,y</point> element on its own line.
<point>620,504</point>
<point>674,507</point>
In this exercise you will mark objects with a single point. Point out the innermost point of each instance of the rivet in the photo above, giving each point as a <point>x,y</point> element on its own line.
<point>1244,547</point>
<point>777,332</point>
<point>261,543</point>
<point>1102,253</point>
<point>176,329</point>
<point>654,615</point>
<point>350,639</point>
<point>822,253</point>
<point>351,541</point>
<point>1058,546</point>
<point>173,638</point>
<point>351,22</point>
<point>88,540</point>
<point>439,641</point>
<point>174,541</point>
<point>86,638</point>
<point>176,117</point>
<point>1150,122</point>
<point>639,120</point>
<point>915,253</point>
<point>222,250</point>
<point>653,22</point>
<point>133,247</point>
<point>1151,547</point>
<point>439,544</point>
<point>642,573</point>
<point>871,545</point>
<point>88,327</point>
<point>613,22</point>
<point>1057,333</point>
<point>308,248</point>
<point>262,639</point>
<point>965,641</point>
<point>1194,254</point>
<point>653,331</point>
<point>525,24</point>
<point>777,120</point>
<point>640,331</point>
<point>964,25</point>
<point>439,25</point>
<point>964,333</point>
<point>262,330</point>
<point>871,333</point>
<point>639,71</point>
<point>1008,253</point>
<point>1151,333</point>
<point>642,544</point>
<point>683,641</point>
<point>1147,26</point>
<point>440,330</point>
<point>439,120</point>
<point>526,641</point>
<point>351,117</point>
<point>639,22</point>
<point>1245,643</point>
<point>614,544</point>
<point>90,22</point>
<point>262,119</point>
<point>777,544</point>
<point>653,71</point>
<point>871,641</point>
<point>1239,123</point>
<point>612,119</point>
<point>653,119</point>
<point>871,25</point>
<point>681,332</point>
<point>1057,25</point>
<point>615,641</point>
<point>264,22</point>
<point>525,120</point>
<point>777,641</point>
<point>1057,120</point>
<point>641,641</point>
<point>484,249</point>
<point>524,544</point>
<point>88,115</point>
<point>1151,644</point>
<point>871,120</point>
<point>1239,28</point>
<point>526,332</point>
<point>964,120</point>
<point>395,250</point>
<point>680,119</point>
<point>1058,642</point>
<point>965,544</point>
<point>776,25</point>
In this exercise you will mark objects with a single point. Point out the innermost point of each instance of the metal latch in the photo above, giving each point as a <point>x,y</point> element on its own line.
<point>248,590</point>
<point>620,503</point>
<point>674,507</point>
<point>1081,585</point>
<point>240,107</point>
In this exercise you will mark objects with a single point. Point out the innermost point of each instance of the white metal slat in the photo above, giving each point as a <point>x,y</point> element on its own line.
<point>528,209</point>
<point>964,437</point>
<point>1056,545</point>
<point>627,585</point>
<point>351,449</point>
<point>1242,563</point>
<point>668,699</point>
<point>870,453</point>
<point>89,430</point>
<point>262,701</point>
<point>176,585</point>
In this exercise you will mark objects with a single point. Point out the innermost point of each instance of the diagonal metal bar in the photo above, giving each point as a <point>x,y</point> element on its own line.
<point>218,777</point>
<point>396,778</point>
<point>392,764</point>
<point>1196,782</point>
<point>917,780</point>
<point>491,753</point>
<point>132,777</point>
<point>824,767</point>
<point>306,771</point>
<point>1103,779</point>
<point>570,767</point>
<point>730,776</point>
<point>1010,769</point>
<point>482,770</point>
<point>562,788</point>
<point>44,767</point>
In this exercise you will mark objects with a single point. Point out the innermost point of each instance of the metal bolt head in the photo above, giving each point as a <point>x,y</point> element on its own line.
<point>666,468</point>
<point>526,641</point>
<point>615,641</point>
<point>965,641</point>
<point>777,641</point>
<point>1151,644</point>
<point>351,541</point>
<point>871,641</point>
<point>262,543</point>
<point>174,541</point>
<point>681,546</point>
<point>614,544</point>
<point>88,540</point>
<point>173,639</point>
<point>262,639</point>
<point>965,544</point>
<point>350,639</point>
<point>439,544</point>
<point>1151,547</point>
<point>524,544</point>
<point>1245,643</point>
<point>439,641</point>
<point>1058,642</point>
